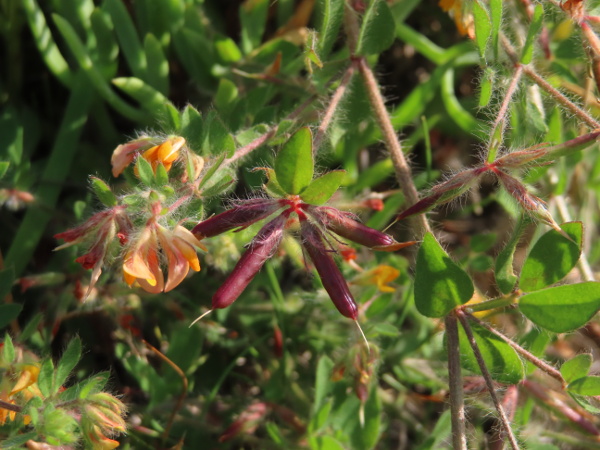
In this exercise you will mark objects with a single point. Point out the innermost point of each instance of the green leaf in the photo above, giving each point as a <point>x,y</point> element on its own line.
<point>294,164</point>
<point>504,273</point>
<point>483,26</point>
<point>220,187</point>
<point>162,177</point>
<point>502,361</point>
<point>322,188</point>
<point>157,72</point>
<point>320,418</point>
<point>440,285</point>
<point>552,257</point>
<point>4,165</point>
<point>577,367</point>
<point>67,362</point>
<point>366,436</point>
<point>46,378</point>
<point>226,95</point>
<point>562,308</point>
<point>93,385</point>
<point>150,99</point>
<point>536,26</point>
<point>191,127</point>
<point>18,441</point>
<point>227,50</point>
<point>8,350</point>
<point>8,313</point>
<point>7,278</point>
<point>377,31</point>
<point>103,192</point>
<point>253,18</point>
<point>463,118</point>
<point>496,13</point>
<point>272,187</point>
<point>333,15</point>
<point>145,172</point>
<point>31,327</point>
<point>216,138</point>
<point>128,38</point>
<point>486,87</point>
<point>106,51</point>
<point>323,383</point>
<point>212,170</point>
<point>585,386</point>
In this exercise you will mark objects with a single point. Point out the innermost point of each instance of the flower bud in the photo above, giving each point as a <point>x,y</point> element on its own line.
<point>261,248</point>
<point>330,274</point>
<point>343,225</point>
<point>240,216</point>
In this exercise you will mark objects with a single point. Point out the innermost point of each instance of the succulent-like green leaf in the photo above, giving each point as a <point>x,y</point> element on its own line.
<point>552,257</point>
<point>562,308</point>
<point>440,285</point>
<point>294,163</point>
<point>322,188</point>
<point>577,367</point>
<point>103,192</point>
<point>378,29</point>
<point>500,358</point>
<point>496,15</point>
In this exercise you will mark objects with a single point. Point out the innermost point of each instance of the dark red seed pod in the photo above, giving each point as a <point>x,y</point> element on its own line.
<point>333,280</point>
<point>261,248</point>
<point>239,216</point>
<point>344,225</point>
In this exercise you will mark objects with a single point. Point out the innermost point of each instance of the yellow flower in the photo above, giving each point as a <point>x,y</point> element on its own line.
<point>165,153</point>
<point>26,385</point>
<point>141,263</point>
<point>380,276</point>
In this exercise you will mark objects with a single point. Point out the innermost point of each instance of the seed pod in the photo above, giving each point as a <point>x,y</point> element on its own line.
<point>343,225</point>
<point>332,278</point>
<point>240,216</point>
<point>261,248</point>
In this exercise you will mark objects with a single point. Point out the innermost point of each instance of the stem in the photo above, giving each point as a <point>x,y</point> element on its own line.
<point>488,380</point>
<point>331,109</point>
<point>259,141</point>
<point>457,400</point>
<point>184,382</point>
<point>495,303</point>
<point>500,122</point>
<point>10,406</point>
<point>541,364</point>
<point>583,264</point>
<point>403,172</point>
<point>542,394</point>
<point>561,98</point>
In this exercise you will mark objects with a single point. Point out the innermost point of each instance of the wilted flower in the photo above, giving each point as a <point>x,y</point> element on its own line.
<point>463,18</point>
<point>15,199</point>
<point>125,154</point>
<point>103,415</point>
<point>101,229</point>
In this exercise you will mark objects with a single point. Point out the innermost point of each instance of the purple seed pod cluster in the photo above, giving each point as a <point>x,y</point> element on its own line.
<point>315,222</point>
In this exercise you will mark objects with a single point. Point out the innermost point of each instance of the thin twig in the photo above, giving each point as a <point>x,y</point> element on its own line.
<point>488,380</point>
<point>184,382</point>
<point>541,364</point>
<point>457,400</point>
<point>332,108</point>
<point>10,406</point>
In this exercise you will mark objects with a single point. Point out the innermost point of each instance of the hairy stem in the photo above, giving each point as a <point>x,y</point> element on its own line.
<point>541,364</point>
<point>331,109</point>
<point>488,380</point>
<point>457,400</point>
<point>500,122</point>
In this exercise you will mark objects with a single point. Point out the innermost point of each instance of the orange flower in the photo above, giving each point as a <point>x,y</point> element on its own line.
<point>142,264</point>
<point>463,18</point>
<point>27,385</point>
<point>380,276</point>
<point>165,153</point>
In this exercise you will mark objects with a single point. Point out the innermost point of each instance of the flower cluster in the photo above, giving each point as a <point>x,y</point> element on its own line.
<point>320,230</point>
